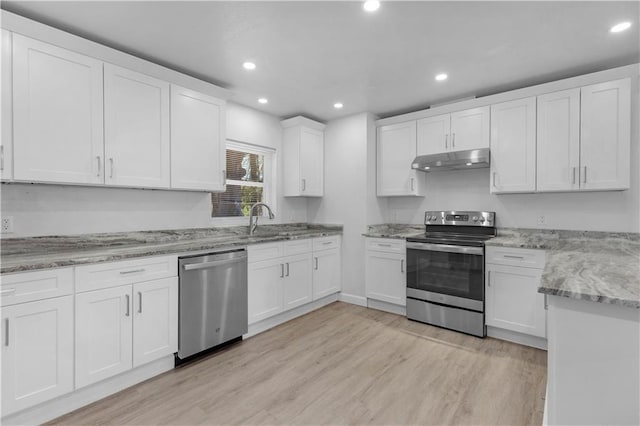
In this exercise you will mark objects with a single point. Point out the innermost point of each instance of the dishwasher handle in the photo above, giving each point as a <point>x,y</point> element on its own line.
<point>208,265</point>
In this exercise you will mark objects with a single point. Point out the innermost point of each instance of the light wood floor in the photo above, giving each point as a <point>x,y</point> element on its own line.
<point>341,364</point>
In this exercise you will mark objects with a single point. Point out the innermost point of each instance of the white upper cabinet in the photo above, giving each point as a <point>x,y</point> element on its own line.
<point>605,135</point>
<point>57,114</point>
<point>458,131</point>
<point>470,129</point>
<point>136,129</point>
<point>198,150</point>
<point>513,146</point>
<point>433,134</point>
<point>6,144</point>
<point>558,144</point>
<point>303,148</point>
<point>396,151</point>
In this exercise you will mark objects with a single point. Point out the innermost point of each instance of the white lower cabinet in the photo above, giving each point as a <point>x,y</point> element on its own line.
<point>386,278</point>
<point>285,275</point>
<point>37,352</point>
<point>512,299</point>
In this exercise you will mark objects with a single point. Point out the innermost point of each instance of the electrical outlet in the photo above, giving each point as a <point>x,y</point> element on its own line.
<point>7,225</point>
<point>542,220</point>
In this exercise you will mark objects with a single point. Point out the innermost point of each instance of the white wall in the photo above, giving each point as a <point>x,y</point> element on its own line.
<point>347,156</point>
<point>57,209</point>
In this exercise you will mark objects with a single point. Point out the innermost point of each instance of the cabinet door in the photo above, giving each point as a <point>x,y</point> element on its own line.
<point>513,146</point>
<point>512,300</point>
<point>57,114</point>
<point>298,287</point>
<point>386,277</point>
<point>198,150</point>
<point>558,141</point>
<point>155,320</point>
<point>396,151</point>
<point>265,289</point>
<point>103,334</point>
<point>605,135</point>
<point>433,134</point>
<point>37,352</point>
<point>312,162</point>
<point>6,144</point>
<point>470,129</point>
<point>327,277</point>
<point>136,129</point>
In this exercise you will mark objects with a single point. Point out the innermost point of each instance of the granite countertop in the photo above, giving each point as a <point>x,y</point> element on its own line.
<point>24,254</point>
<point>394,231</point>
<point>596,266</point>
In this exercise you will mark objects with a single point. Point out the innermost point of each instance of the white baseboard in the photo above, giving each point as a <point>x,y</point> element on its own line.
<point>353,299</point>
<point>515,337</point>
<point>387,307</point>
<point>64,404</point>
<point>274,321</point>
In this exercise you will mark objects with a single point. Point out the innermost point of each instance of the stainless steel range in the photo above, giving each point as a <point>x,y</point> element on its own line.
<point>445,270</point>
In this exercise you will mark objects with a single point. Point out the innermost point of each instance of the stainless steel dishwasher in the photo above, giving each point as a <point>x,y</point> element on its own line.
<point>213,300</point>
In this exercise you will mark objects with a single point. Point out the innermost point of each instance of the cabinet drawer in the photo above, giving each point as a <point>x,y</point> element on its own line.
<point>266,251</point>
<point>389,245</point>
<point>104,275</point>
<point>326,243</point>
<point>526,258</point>
<point>297,246</point>
<point>37,285</point>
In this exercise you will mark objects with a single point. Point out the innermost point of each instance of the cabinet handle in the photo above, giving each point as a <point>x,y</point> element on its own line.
<point>6,332</point>
<point>546,304</point>
<point>133,271</point>
<point>304,184</point>
<point>282,270</point>
<point>384,245</point>
<point>488,278</point>
<point>327,243</point>
<point>287,269</point>
<point>316,259</point>
<point>412,182</point>
<point>224,177</point>
<point>402,265</point>
<point>111,168</point>
<point>446,141</point>
<point>513,257</point>
<point>1,157</point>
<point>128,299</point>
<point>584,176</point>
<point>494,179</point>
<point>98,158</point>
<point>573,176</point>
<point>453,140</point>
<point>139,302</point>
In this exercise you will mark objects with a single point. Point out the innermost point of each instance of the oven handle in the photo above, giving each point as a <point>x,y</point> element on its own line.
<point>447,248</point>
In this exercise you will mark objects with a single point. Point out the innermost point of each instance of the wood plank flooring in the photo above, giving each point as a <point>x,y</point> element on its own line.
<point>341,364</point>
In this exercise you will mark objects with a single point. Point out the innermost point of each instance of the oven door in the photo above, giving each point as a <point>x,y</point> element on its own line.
<point>446,274</point>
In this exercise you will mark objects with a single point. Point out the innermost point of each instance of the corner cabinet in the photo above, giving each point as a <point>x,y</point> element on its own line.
<point>198,150</point>
<point>57,114</point>
<point>396,150</point>
<point>513,146</point>
<point>303,148</point>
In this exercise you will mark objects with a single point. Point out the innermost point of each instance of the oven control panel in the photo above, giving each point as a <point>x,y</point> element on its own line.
<point>466,218</point>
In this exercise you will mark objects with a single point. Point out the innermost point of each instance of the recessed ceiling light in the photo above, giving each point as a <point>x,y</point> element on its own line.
<point>249,66</point>
<point>427,167</point>
<point>468,164</point>
<point>263,100</point>
<point>441,77</point>
<point>371,5</point>
<point>620,27</point>
<point>338,105</point>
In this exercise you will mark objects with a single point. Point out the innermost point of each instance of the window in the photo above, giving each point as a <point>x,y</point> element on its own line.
<point>249,175</point>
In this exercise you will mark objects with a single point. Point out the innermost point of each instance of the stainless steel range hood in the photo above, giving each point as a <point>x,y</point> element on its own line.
<point>459,160</point>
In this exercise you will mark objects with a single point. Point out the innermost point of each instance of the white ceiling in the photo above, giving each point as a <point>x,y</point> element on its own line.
<point>312,54</point>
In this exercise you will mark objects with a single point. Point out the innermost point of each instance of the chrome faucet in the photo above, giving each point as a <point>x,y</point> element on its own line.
<point>253,223</point>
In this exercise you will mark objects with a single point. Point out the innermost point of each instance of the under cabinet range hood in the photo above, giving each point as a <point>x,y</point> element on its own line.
<point>458,160</point>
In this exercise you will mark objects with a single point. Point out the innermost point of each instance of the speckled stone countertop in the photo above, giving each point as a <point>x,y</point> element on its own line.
<point>596,266</point>
<point>24,254</point>
<point>394,231</point>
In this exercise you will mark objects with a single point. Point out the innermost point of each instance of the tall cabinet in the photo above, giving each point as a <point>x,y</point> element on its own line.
<point>303,148</point>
